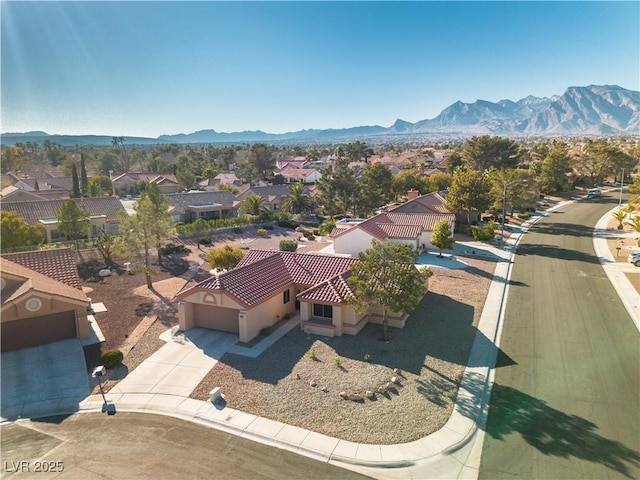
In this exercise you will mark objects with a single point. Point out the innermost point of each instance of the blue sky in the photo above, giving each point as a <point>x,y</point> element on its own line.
<point>153,68</point>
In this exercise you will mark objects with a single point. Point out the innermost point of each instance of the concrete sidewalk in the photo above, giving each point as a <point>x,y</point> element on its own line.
<point>452,452</point>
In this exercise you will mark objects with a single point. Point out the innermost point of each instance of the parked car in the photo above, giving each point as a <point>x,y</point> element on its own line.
<point>634,257</point>
<point>594,192</point>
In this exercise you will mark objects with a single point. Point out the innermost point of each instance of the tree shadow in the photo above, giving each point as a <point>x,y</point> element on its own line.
<point>552,251</point>
<point>547,429</point>
<point>571,229</point>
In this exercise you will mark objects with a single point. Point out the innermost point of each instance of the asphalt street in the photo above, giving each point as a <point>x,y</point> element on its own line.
<point>134,445</point>
<point>565,401</point>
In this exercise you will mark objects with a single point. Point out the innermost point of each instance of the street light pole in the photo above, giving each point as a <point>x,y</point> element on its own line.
<point>621,185</point>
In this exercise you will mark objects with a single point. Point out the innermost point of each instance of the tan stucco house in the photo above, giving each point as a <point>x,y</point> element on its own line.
<point>103,214</point>
<point>42,301</point>
<point>267,286</point>
<point>410,223</point>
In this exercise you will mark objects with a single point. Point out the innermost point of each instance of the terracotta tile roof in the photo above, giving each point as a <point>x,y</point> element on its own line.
<point>29,280</point>
<point>59,264</point>
<point>262,273</point>
<point>429,203</point>
<point>335,290</point>
<point>34,211</point>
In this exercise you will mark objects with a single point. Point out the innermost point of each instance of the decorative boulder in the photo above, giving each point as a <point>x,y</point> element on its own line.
<point>369,394</point>
<point>297,376</point>
<point>313,383</point>
<point>382,389</point>
<point>344,395</point>
<point>397,371</point>
<point>394,379</point>
<point>325,389</point>
<point>356,397</point>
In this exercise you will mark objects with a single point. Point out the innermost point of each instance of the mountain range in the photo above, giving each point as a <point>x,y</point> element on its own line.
<point>592,110</point>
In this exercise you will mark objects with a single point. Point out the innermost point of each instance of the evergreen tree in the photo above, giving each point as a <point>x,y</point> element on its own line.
<point>84,180</point>
<point>76,182</point>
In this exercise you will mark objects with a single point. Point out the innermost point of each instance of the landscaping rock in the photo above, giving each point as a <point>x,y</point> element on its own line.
<point>355,397</point>
<point>313,383</point>
<point>369,394</point>
<point>344,395</point>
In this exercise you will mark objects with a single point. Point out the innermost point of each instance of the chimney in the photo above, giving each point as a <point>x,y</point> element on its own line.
<point>413,193</point>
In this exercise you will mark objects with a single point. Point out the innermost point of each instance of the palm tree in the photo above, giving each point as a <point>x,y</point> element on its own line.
<point>253,205</point>
<point>298,201</point>
<point>620,216</point>
<point>634,223</point>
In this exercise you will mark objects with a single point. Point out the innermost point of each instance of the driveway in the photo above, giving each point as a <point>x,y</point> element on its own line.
<point>179,366</point>
<point>44,378</point>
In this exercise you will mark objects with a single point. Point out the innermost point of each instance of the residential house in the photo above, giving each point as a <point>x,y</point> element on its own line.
<point>304,175</point>
<point>273,195</point>
<point>410,223</point>
<point>47,188</point>
<point>296,162</point>
<point>15,194</point>
<point>221,180</point>
<point>190,206</point>
<point>103,214</point>
<point>42,301</point>
<point>267,286</point>
<point>129,183</point>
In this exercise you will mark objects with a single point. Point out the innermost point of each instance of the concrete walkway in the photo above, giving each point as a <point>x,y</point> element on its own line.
<point>452,452</point>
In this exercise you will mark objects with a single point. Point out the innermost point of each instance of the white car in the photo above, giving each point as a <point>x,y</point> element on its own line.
<point>634,258</point>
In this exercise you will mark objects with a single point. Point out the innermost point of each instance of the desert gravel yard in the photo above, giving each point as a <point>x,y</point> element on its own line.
<point>431,352</point>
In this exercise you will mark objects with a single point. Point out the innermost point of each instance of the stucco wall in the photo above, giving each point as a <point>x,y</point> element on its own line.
<point>352,242</point>
<point>264,315</point>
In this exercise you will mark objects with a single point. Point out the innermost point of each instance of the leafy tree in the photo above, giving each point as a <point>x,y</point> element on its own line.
<point>13,159</point>
<point>441,237</point>
<point>600,159</point>
<point>385,276</point>
<point>108,162</point>
<point>76,181</point>
<point>84,180</point>
<point>485,152</point>
<point>453,161</point>
<point>470,190</point>
<point>554,169</point>
<point>157,165</point>
<point>357,151</point>
<point>252,205</point>
<point>226,257</point>
<point>73,222</point>
<point>248,173</point>
<point>124,159</point>
<point>406,180</point>
<point>149,226</point>
<point>16,232</point>
<point>298,201</point>
<point>375,187</point>
<point>438,182</point>
<point>339,186</point>
<point>261,157</point>
<point>99,186</point>
<point>514,184</point>
<point>186,178</point>
<point>108,245</point>
<point>54,152</point>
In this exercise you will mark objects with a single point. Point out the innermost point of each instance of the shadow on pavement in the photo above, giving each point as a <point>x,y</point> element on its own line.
<point>550,431</point>
<point>559,253</point>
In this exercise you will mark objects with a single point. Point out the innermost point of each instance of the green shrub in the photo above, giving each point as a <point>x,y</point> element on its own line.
<point>308,235</point>
<point>288,245</point>
<point>487,232</point>
<point>312,354</point>
<point>524,216</point>
<point>367,358</point>
<point>337,362</point>
<point>111,358</point>
<point>265,331</point>
<point>285,222</point>
<point>326,227</point>
<point>237,230</point>
<point>171,248</point>
<point>262,232</point>
<point>204,240</point>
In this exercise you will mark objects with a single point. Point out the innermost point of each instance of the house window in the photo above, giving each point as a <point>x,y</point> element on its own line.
<point>323,311</point>
<point>286,296</point>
